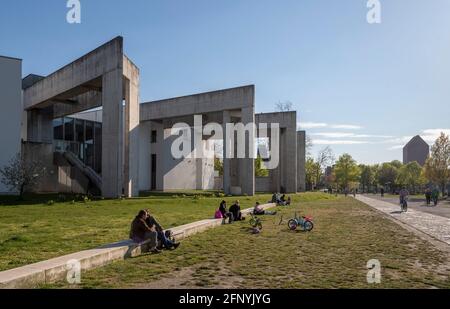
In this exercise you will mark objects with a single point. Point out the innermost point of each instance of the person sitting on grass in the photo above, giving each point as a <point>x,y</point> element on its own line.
<point>225,213</point>
<point>140,232</point>
<point>258,210</point>
<point>152,223</point>
<point>235,209</point>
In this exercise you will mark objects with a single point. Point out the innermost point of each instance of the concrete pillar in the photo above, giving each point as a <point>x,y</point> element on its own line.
<point>112,134</point>
<point>247,165</point>
<point>131,137</point>
<point>40,126</point>
<point>226,161</point>
<point>289,158</point>
<point>301,161</point>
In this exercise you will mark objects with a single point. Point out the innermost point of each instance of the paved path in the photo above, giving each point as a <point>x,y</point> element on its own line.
<point>442,209</point>
<point>430,224</point>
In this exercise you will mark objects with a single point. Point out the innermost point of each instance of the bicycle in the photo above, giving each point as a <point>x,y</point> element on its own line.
<point>255,222</point>
<point>305,223</point>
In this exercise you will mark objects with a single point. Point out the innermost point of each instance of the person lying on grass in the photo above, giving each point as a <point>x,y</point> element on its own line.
<point>165,242</point>
<point>258,210</point>
<point>140,232</point>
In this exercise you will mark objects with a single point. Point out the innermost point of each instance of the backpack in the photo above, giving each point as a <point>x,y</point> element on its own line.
<point>218,214</point>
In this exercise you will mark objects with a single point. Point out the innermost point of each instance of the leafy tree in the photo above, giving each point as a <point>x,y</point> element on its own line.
<point>410,175</point>
<point>20,174</point>
<point>437,167</point>
<point>260,170</point>
<point>346,171</point>
<point>367,177</point>
<point>218,165</point>
<point>313,173</point>
<point>397,164</point>
<point>387,175</point>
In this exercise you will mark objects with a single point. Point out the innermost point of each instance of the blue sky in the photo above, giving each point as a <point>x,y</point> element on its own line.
<point>360,88</point>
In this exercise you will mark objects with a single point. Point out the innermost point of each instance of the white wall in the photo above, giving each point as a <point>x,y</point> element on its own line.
<point>10,110</point>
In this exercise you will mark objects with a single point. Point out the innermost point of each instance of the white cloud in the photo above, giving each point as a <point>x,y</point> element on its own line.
<point>348,135</point>
<point>338,142</point>
<point>346,126</point>
<point>396,147</point>
<point>311,125</point>
<point>431,135</point>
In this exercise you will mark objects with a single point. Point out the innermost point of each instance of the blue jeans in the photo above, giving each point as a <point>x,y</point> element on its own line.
<point>165,241</point>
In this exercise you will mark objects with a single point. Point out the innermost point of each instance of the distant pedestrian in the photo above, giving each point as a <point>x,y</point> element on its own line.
<point>428,196</point>
<point>382,192</point>
<point>435,196</point>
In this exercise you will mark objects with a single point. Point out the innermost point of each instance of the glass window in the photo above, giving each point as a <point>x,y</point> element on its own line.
<point>89,132</point>
<point>79,130</point>
<point>68,129</point>
<point>98,147</point>
<point>58,131</point>
<point>154,137</point>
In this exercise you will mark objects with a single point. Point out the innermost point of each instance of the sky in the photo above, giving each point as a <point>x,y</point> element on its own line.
<point>363,89</point>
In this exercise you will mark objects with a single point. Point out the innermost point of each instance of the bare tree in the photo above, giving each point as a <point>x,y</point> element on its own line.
<point>308,145</point>
<point>284,106</point>
<point>325,157</point>
<point>20,174</point>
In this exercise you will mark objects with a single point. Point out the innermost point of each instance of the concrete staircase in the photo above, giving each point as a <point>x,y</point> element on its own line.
<point>56,269</point>
<point>95,178</point>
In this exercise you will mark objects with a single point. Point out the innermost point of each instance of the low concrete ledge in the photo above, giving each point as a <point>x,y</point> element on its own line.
<point>56,269</point>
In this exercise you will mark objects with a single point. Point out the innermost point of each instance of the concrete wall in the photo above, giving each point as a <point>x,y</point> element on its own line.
<point>301,161</point>
<point>11,110</point>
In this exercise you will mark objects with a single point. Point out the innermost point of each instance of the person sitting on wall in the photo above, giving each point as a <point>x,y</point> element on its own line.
<point>258,210</point>
<point>235,209</point>
<point>225,213</point>
<point>140,232</point>
<point>285,201</point>
<point>153,223</point>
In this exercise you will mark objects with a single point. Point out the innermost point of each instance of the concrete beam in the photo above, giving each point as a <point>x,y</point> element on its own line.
<point>208,102</point>
<point>69,80</point>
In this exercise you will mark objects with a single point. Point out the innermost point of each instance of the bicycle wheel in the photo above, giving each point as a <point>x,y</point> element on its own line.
<point>308,226</point>
<point>292,224</point>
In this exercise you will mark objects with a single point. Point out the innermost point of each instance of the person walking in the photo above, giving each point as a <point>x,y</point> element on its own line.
<point>428,196</point>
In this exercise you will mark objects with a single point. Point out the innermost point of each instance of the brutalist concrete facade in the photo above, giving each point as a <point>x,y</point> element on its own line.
<point>107,78</point>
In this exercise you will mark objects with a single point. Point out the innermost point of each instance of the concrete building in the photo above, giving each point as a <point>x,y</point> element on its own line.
<point>11,110</point>
<point>416,150</point>
<point>86,124</point>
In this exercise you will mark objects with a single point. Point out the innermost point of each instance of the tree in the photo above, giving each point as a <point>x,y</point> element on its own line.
<point>313,173</point>
<point>218,165</point>
<point>283,106</point>
<point>410,175</point>
<point>20,174</point>
<point>437,167</point>
<point>308,145</point>
<point>260,170</point>
<point>325,157</point>
<point>387,175</point>
<point>346,171</point>
<point>367,177</point>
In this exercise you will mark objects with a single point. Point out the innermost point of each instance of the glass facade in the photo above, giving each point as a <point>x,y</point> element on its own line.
<point>82,137</point>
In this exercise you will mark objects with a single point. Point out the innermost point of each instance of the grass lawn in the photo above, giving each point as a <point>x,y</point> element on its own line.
<point>346,236</point>
<point>32,230</point>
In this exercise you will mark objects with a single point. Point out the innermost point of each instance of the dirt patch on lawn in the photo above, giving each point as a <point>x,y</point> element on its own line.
<point>201,276</point>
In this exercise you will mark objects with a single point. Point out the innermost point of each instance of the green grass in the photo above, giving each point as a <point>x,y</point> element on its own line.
<point>32,231</point>
<point>347,234</point>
